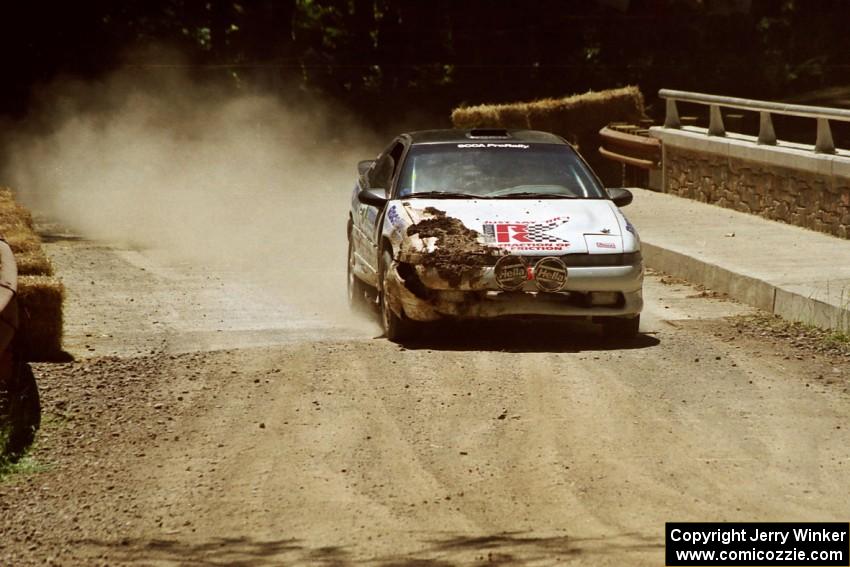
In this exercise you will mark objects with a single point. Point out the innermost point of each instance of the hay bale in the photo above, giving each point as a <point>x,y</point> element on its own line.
<point>40,314</point>
<point>577,118</point>
<point>39,295</point>
<point>26,245</point>
<point>15,217</point>
<point>21,238</point>
<point>11,212</point>
<point>35,263</point>
<point>576,113</point>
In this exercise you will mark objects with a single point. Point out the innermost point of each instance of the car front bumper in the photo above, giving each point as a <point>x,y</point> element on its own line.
<point>422,294</point>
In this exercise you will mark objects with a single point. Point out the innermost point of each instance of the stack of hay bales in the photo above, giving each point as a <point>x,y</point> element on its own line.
<point>40,294</point>
<point>577,118</point>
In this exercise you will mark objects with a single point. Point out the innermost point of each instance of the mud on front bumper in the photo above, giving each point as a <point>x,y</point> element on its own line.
<point>421,294</point>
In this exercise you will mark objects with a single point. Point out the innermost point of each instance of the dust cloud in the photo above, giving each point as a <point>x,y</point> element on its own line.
<point>249,182</point>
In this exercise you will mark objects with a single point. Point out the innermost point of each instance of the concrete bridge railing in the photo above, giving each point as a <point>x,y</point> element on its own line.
<point>803,184</point>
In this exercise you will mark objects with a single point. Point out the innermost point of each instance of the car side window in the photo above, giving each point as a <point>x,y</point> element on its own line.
<point>395,153</point>
<point>383,173</point>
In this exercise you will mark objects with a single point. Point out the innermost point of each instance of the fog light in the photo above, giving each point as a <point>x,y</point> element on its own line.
<point>550,274</point>
<point>604,298</point>
<point>510,272</point>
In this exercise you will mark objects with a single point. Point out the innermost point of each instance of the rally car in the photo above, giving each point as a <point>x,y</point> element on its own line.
<point>484,223</point>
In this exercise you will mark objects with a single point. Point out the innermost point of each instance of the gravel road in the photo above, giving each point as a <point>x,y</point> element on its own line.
<point>205,421</point>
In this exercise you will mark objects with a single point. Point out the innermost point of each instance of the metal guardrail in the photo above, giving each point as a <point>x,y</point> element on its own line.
<point>767,136</point>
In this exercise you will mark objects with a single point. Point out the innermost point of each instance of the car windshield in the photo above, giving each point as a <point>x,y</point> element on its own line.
<point>497,170</point>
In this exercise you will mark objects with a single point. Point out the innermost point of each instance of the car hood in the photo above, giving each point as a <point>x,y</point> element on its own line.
<point>531,227</point>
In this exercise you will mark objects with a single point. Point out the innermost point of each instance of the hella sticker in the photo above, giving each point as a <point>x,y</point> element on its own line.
<point>550,274</point>
<point>510,273</point>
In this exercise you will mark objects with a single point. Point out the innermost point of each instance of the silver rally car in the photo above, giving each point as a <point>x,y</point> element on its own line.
<point>473,224</point>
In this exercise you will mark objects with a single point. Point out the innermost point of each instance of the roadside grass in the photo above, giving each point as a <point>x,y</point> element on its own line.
<point>827,341</point>
<point>764,324</point>
<point>837,339</point>
<point>10,466</point>
<point>27,463</point>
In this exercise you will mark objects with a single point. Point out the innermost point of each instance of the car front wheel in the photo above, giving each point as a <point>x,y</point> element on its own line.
<point>395,328</point>
<point>356,288</point>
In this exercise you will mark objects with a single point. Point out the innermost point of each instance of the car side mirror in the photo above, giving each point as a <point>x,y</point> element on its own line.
<point>363,166</point>
<point>620,196</point>
<point>373,197</point>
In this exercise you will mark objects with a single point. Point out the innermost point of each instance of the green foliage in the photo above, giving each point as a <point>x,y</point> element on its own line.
<point>440,53</point>
<point>23,466</point>
<point>4,440</point>
<point>837,339</point>
<point>27,463</point>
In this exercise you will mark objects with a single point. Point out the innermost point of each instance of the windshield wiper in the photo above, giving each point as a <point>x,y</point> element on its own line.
<point>533,195</point>
<point>442,195</point>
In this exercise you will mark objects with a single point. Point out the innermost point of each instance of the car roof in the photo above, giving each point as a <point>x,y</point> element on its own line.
<point>482,135</point>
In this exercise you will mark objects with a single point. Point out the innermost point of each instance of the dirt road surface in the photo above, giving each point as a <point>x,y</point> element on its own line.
<point>206,422</point>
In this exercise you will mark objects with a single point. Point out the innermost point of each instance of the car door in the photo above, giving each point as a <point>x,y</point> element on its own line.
<point>368,219</point>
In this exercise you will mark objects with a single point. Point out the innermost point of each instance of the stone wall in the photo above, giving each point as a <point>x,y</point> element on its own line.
<point>818,200</point>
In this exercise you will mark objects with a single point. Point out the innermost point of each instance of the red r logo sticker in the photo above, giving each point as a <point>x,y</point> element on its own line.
<point>508,232</point>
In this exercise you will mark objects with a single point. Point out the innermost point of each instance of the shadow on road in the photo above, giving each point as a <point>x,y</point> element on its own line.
<point>508,548</point>
<point>51,237</point>
<point>522,336</point>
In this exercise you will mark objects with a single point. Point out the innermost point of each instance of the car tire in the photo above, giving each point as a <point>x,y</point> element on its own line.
<point>621,327</point>
<point>20,412</point>
<point>356,288</point>
<point>396,328</point>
